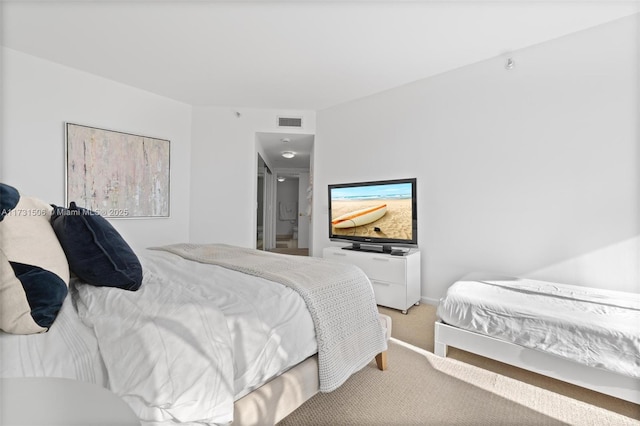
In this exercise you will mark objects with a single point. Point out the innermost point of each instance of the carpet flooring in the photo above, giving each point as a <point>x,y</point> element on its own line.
<point>420,388</point>
<point>292,251</point>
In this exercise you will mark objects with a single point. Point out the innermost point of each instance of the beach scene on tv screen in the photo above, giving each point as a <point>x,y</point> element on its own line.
<point>376,211</point>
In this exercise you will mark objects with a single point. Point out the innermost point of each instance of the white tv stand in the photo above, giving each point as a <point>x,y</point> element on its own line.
<point>395,279</point>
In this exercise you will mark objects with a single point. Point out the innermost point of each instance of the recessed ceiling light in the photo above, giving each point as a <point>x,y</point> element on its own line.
<point>288,154</point>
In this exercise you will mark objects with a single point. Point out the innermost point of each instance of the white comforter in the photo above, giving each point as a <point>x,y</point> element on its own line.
<point>339,298</point>
<point>195,337</point>
<point>596,327</point>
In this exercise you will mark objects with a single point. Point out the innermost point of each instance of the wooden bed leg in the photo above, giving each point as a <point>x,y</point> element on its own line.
<point>381,360</point>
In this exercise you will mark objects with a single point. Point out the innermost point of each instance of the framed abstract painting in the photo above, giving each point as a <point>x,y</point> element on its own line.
<point>117,174</point>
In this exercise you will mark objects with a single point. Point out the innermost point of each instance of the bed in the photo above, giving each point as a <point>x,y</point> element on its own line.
<point>183,333</point>
<point>585,336</point>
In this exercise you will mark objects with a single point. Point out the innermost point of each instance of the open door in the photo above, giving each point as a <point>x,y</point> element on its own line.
<point>260,204</point>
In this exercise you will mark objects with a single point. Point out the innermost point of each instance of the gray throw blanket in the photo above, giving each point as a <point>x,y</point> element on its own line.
<point>339,297</point>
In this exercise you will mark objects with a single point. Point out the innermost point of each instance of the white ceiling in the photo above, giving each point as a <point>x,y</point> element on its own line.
<point>304,55</point>
<point>274,144</point>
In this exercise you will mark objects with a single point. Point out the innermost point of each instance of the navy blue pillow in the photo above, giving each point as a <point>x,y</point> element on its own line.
<point>95,250</point>
<point>9,197</point>
<point>45,292</point>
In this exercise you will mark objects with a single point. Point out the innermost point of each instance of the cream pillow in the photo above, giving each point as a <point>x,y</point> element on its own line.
<point>34,271</point>
<point>27,237</point>
<point>15,312</point>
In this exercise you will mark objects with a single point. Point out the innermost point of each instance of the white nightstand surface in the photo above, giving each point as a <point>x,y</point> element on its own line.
<point>56,402</point>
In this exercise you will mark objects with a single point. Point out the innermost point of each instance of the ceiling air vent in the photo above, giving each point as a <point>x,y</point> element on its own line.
<point>289,121</point>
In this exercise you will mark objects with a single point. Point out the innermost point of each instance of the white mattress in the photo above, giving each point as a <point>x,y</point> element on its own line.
<point>596,327</point>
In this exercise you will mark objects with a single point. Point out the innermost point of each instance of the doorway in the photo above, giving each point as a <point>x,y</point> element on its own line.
<point>293,219</point>
<point>289,200</point>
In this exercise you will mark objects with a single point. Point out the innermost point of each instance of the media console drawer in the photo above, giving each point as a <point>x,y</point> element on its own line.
<point>382,267</point>
<point>391,295</point>
<point>395,279</point>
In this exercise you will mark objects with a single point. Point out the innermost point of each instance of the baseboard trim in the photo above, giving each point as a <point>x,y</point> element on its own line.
<point>429,301</point>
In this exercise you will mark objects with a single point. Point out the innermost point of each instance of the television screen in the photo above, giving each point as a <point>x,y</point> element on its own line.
<point>381,212</point>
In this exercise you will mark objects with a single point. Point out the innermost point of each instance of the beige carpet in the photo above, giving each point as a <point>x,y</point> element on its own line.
<point>420,388</point>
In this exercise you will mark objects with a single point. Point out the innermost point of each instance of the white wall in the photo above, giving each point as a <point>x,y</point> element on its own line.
<point>39,96</point>
<point>618,265</point>
<point>224,170</point>
<point>517,170</point>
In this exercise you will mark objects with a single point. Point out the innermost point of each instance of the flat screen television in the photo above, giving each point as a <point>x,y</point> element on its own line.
<point>374,216</point>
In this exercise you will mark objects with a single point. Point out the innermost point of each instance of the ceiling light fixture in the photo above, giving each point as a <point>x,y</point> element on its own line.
<point>285,140</point>
<point>288,154</point>
<point>281,179</point>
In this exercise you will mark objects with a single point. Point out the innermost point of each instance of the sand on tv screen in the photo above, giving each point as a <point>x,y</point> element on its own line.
<point>376,211</point>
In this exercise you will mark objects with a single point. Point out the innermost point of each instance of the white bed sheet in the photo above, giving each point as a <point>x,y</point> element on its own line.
<point>596,327</point>
<point>68,350</point>
<point>214,336</point>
